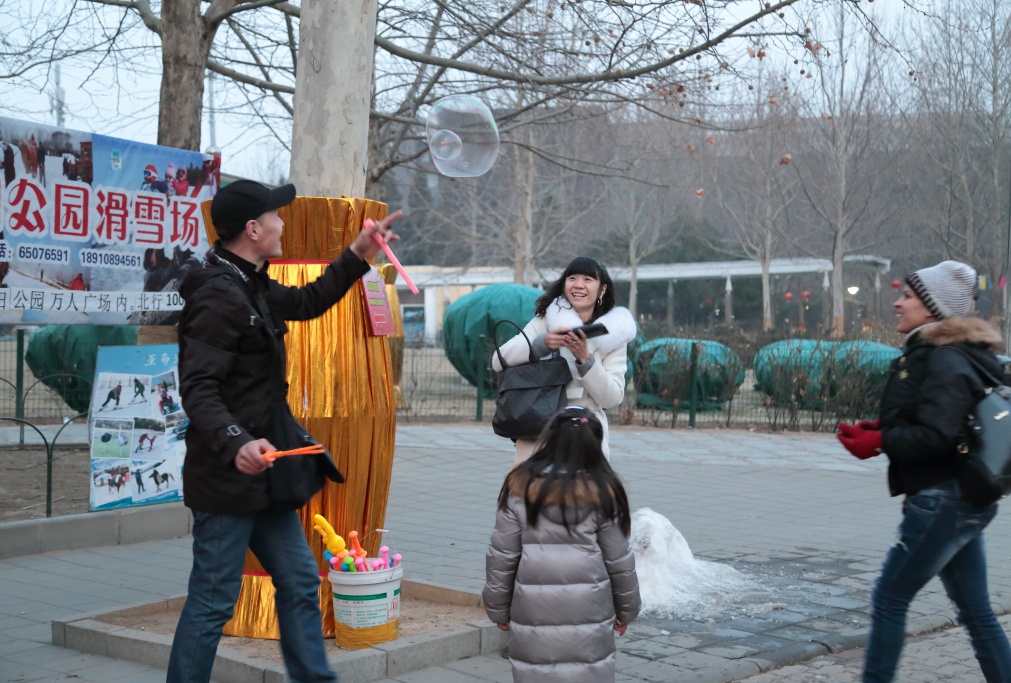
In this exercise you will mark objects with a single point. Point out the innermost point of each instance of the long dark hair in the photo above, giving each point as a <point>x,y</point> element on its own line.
<point>581,265</point>
<point>569,457</point>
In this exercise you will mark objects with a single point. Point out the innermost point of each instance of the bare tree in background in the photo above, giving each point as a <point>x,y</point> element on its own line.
<point>963,114</point>
<point>641,220</point>
<point>845,166</point>
<point>569,54</point>
<point>525,212</point>
<point>751,182</point>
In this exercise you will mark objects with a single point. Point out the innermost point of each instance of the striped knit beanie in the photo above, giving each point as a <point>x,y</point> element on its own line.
<point>947,289</point>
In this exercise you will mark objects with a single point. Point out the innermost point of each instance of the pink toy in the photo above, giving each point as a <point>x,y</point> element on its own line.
<point>396,559</point>
<point>360,564</point>
<point>377,564</point>
<point>393,259</point>
<point>385,552</point>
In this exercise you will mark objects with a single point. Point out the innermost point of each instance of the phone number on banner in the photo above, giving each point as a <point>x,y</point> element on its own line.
<point>29,252</point>
<point>110,259</point>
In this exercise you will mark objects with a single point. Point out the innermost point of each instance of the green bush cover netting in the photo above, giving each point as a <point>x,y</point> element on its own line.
<point>63,357</point>
<point>476,314</point>
<point>814,373</point>
<point>662,372</point>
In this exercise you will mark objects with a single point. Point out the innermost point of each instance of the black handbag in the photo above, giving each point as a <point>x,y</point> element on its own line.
<point>529,395</point>
<point>984,457</point>
<point>294,479</point>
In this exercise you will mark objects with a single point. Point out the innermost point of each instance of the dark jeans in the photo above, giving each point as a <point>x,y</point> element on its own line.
<point>219,549</point>
<point>940,534</point>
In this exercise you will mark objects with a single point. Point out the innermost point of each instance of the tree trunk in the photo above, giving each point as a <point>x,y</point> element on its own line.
<point>838,300</point>
<point>633,283</point>
<point>670,305</point>
<point>185,48</point>
<point>524,192</point>
<point>333,92</point>
<point>766,297</point>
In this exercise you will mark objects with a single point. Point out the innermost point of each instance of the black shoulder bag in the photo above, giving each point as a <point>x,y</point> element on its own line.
<point>530,394</point>
<point>984,457</point>
<point>292,480</point>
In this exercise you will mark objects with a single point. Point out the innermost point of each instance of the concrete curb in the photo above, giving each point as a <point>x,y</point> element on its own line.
<point>88,634</point>
<point>90,529</point>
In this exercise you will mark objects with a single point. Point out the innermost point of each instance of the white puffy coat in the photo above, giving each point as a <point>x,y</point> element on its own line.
<point>603,386</point>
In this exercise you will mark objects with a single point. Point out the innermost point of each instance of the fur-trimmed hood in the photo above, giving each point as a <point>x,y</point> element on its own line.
<point>975,331</point>
<point>621,327</point>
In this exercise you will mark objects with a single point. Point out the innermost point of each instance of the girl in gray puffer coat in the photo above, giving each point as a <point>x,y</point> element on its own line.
<point>559,572</point>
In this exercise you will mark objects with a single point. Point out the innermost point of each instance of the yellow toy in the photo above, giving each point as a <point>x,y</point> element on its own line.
<point>333,542</point>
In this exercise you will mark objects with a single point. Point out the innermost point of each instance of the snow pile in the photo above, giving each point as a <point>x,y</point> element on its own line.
<point>672,583</point>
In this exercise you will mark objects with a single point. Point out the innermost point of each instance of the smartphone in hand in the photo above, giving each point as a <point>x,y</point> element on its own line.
<point>592,330</point>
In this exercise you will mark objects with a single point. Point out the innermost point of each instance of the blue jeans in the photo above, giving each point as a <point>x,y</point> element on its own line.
<point>219,549</point>
<point>940,534</point>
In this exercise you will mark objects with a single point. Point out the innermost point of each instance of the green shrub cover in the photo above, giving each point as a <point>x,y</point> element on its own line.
<point>477,313</point>
<point>64,357</point>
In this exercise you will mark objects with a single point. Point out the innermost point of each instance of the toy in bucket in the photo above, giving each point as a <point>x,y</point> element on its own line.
<point>366,594</point>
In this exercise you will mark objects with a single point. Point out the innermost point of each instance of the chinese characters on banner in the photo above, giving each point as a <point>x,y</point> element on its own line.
<point>138,427</point>
<point>95,229</point>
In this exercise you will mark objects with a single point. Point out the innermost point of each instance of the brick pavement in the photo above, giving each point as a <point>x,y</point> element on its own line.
<point>942,656</point>
<point>807,523</point>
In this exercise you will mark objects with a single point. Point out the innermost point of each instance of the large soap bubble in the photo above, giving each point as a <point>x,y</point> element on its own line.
<point>462,136</point>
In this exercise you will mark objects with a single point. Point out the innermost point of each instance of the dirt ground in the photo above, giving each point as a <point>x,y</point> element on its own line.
<point>416,617</point>
<point>23,482</point>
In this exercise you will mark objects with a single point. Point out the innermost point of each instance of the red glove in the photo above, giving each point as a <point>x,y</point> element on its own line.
<point>863,443</point>
<point>872,425</point>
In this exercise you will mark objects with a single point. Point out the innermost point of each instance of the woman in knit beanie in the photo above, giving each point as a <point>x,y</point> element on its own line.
<point>930,391</point>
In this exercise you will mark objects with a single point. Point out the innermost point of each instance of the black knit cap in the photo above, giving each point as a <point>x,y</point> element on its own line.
<point>241,201</point>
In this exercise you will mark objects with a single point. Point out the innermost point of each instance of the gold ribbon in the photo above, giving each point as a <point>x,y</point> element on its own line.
<point>340,390</point>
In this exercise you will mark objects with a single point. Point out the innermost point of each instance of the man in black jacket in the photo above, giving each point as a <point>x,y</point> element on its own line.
<point>231,344</point>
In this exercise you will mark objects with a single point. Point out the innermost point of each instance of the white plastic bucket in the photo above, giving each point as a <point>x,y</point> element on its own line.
<point>366,606</point>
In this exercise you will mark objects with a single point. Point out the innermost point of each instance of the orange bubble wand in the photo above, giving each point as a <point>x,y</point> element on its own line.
<point>271,456</point>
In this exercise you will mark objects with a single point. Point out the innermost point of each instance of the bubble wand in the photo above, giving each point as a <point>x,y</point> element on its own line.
<point>271,456</point>
<point>393,259</point>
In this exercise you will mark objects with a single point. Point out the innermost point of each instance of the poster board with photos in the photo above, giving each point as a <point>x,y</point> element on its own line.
<point>137,427</point>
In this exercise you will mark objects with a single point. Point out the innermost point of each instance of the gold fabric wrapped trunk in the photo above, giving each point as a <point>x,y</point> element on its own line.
<point>340,390</point>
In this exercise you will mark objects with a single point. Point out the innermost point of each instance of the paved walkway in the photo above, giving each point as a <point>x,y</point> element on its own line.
<point>805,523</point>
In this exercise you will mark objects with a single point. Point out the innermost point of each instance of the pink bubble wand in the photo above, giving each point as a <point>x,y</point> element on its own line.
<point>393,259</point>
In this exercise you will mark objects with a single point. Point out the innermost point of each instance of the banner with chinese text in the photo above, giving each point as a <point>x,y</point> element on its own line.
<point>95,229</point>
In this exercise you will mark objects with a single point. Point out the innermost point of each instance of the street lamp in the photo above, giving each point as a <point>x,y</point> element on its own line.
<point>853,290</point>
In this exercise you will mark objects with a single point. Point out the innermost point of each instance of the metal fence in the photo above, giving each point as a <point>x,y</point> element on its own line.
<point>671,384</point>
<point>38,400</point>
<point>688,390</point>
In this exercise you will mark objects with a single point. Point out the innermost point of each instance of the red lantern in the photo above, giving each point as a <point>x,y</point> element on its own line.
<point>806,295</point>
<point>788,296</point>
<point>896,284</point>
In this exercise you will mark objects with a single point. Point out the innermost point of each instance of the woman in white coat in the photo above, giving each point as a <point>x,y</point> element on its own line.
<point>583,294</point>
